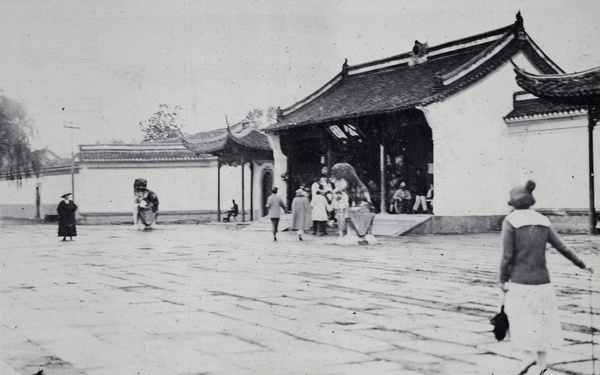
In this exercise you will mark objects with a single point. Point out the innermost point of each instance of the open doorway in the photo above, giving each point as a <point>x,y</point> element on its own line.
<point>266,186</point>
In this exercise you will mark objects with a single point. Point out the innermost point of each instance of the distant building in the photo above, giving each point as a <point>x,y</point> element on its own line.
<point>195,178</point>
<point>455,112</point>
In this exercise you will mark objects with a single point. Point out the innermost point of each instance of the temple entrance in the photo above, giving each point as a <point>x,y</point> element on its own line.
<point>266,186</point>
<point>404,139</point>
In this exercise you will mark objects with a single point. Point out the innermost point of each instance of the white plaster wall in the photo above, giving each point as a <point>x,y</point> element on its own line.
<point>470,143</point>
<point>280,165</point>
<point>554,154</point>
<point>477,161</point>
<point>177,187</point>
<point>12,192</point>
<point>23,194</point>
<point>110,189</point>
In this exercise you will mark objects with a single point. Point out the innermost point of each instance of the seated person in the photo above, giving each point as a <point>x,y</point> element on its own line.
<point>402,199</point>
<point>232,212</point>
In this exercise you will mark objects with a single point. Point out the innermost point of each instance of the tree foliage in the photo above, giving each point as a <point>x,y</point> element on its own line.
<point>262,117</point>
<point>17,160</point>
<point>163,124</point>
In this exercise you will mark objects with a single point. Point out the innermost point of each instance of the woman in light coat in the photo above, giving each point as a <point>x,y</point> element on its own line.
<point>301,213</point>
<point>320,207</point>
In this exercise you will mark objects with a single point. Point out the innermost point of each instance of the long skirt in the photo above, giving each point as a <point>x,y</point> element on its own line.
<point>532,313</point>
<point>146,216</point>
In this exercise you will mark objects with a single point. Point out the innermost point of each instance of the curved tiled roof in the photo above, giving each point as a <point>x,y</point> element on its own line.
<point>185,148</point>
<point>528,107</point>
<point>144,152</point>
<point>582,88</point>
<point>221,139</point>
<point>409,80</point>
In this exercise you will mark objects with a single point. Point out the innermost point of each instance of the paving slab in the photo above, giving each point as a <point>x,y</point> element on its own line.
<point>206,299</point>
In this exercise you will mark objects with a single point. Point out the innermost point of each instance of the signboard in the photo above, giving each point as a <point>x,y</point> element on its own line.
<point>345,132</point>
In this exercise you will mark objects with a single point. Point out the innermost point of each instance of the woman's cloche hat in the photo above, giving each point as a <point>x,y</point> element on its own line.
<point>521,197</point>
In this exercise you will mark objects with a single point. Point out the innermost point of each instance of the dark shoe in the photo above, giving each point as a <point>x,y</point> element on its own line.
<point>274,238</point>
<point>300,237</point>
<point>524,371</point>
<point>64,239</point>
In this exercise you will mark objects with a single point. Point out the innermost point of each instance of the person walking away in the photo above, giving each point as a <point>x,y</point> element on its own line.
<point>66,217</point>
<point>420,192</point>
<point>320,207</point>
<point>301,213</point>
<point>530,301</point>
<point>274,205</point>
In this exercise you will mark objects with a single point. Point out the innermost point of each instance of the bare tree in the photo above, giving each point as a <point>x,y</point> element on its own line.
<point>163,124</point>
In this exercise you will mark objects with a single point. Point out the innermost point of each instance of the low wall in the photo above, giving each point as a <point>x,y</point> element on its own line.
<point>164,217</point>
<point>563,221</point>
<point>458,225</point>
<point>26,211</point>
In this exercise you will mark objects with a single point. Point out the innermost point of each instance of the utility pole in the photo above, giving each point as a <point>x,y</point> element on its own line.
<point>72,158</point>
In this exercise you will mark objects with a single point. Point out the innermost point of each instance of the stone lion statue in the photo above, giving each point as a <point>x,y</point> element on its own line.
<point>354,210</point>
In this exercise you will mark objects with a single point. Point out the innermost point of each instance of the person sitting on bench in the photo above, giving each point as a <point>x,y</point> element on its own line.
<point>232,212</point>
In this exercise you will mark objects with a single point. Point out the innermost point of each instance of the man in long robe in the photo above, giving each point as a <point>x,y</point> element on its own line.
<point>66,218</point>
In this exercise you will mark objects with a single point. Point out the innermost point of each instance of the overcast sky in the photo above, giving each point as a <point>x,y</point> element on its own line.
<point>104,66</point>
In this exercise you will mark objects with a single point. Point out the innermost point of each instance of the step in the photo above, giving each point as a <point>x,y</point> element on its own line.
<point>396,225</point>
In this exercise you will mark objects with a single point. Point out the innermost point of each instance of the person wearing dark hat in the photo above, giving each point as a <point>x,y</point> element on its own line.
<point>274,205</point>
<point>66,217</point>
<point>530,301</point>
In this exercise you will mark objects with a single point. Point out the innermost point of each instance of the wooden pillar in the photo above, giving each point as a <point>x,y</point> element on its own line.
<point>251,190</point>
<point>382,177</point>
<point>218,190</point>
<point>243,185</point>
<point>38,200</point>
<point>592,210</point>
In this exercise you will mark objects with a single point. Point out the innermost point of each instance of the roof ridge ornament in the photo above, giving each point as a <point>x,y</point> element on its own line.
<point>419,53</point>
<point>345,68</point>
<point>519,28</point>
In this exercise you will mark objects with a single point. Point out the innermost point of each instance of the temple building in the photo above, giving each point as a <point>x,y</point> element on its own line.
<point>454,112</point>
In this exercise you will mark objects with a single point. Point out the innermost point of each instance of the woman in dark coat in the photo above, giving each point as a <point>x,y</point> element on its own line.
<point>66,218</point>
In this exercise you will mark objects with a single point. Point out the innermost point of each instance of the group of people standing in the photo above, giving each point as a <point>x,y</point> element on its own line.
<point>312,209</point>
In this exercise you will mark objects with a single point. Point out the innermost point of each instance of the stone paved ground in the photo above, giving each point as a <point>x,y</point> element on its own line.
<point>192,299</point>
